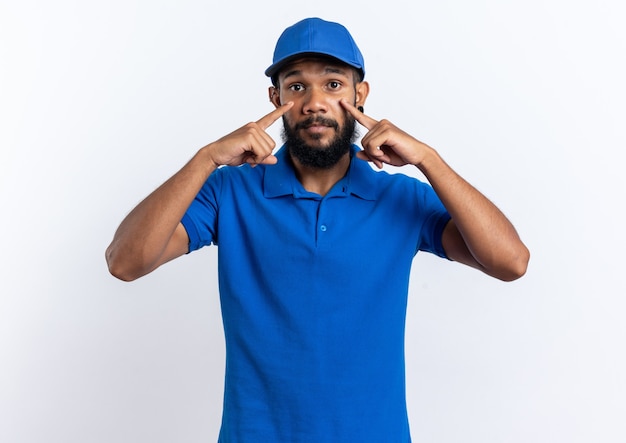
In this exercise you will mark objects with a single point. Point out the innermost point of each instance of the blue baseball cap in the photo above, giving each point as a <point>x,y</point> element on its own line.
<point>314,36</point>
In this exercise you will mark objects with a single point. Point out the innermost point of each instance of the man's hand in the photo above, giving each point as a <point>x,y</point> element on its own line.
<point>386,143</point>
<point>248,144</point>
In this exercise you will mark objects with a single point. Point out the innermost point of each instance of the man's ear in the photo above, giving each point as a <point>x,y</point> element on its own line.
<point>274,96</point>
<point>362,91</point>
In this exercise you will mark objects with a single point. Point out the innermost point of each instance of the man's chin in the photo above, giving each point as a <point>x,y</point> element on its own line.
<point>317,144</point>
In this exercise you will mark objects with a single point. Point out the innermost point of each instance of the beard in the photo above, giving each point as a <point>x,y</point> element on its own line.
<point>320,157</point>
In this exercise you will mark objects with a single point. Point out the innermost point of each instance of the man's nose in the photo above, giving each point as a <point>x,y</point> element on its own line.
<point>316,101</point>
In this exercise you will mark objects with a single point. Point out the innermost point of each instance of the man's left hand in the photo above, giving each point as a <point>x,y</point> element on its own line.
<point>386,143</point>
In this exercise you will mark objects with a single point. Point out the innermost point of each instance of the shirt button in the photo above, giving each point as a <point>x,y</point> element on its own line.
<point>323,228</point>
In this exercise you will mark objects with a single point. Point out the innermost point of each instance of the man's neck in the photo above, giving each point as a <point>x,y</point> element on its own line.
<point>321,181</point>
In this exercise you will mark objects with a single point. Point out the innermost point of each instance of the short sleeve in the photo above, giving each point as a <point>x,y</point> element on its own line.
<point>200,219</point>
<point>435,220</point>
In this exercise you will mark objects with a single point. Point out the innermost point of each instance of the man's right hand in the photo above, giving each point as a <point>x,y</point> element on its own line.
<point>249,144</point>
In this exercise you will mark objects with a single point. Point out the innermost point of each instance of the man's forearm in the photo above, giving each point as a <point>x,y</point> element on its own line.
<point>145,234</point>
<point>488,235</point>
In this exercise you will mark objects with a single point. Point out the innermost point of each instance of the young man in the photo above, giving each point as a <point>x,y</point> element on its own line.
<point>315,248</point>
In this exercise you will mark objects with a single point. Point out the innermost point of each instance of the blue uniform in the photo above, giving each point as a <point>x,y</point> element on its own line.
<point>313,293</point>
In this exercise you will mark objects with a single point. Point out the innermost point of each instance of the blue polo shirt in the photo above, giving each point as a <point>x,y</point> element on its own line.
<point>313,293</point>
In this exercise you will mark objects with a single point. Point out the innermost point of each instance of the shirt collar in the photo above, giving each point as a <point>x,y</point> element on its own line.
<point>280,179</point>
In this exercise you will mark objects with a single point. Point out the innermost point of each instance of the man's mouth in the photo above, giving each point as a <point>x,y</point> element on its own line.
<point>317,124</point>
<point>316,128</point>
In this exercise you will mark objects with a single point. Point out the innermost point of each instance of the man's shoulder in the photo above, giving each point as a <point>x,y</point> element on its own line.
<point>238,173</point>
<point>380,180</point>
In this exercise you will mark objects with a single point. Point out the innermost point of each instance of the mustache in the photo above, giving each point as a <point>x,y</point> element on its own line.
<point>317,121</point>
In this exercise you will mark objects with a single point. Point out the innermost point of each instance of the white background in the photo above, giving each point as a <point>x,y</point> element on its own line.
<point>100,102</point>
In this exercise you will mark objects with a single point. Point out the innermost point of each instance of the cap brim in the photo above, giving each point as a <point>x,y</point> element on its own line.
<point>276,67</point>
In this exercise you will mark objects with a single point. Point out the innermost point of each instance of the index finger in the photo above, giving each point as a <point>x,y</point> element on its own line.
<point>365,120</point>
<point>267,121</point>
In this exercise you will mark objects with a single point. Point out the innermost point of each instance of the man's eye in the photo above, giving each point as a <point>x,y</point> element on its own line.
<point>334,85</point>
<point>296,88</point>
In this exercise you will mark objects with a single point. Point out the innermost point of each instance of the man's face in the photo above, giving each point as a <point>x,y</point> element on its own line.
<point>317,130</point>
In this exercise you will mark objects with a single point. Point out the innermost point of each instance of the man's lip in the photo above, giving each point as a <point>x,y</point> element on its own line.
<point>316,124</point>
<point>316,128</point>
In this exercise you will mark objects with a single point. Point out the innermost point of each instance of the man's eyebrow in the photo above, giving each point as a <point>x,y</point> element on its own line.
<point>335,70</point>
<point>292,73</point>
